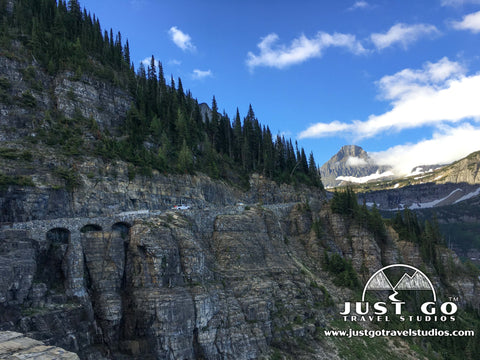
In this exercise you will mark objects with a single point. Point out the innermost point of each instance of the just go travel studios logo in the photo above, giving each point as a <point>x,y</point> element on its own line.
<point>402,291</point>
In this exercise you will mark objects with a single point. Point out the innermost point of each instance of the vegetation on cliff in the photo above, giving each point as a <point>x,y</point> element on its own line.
<point>259,269</point>
<point>164,128</point>
<point>345,202</point>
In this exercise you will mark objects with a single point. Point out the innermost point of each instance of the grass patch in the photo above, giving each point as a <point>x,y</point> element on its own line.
<point>14,154</point>
<point>8,180</point>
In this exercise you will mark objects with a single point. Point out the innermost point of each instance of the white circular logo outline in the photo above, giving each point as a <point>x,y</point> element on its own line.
<point>399,265</point>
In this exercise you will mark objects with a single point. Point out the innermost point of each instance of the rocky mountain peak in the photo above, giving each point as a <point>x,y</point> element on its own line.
<point>350,162</point>
<point>347,151</point>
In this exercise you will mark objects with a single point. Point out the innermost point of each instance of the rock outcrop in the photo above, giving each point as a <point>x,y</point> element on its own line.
<point>28,94</point>
<point>15,346</point>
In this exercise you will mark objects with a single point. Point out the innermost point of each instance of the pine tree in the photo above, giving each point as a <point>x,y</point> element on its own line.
<point>213,124</point>
<point>303,162</point>
<point>62,36</point>
<point>74,19</point>
<point>185,159</point>
<point>237,138</point>
<point>126,53</point>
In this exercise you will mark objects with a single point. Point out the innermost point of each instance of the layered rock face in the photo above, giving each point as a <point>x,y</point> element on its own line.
<point>105,189</point>
<point>446,185</point>
<point>465,170</point>
<point>239,282</point>
<point>421,196</point>
<point>28,93</point>
<point>94,261</point>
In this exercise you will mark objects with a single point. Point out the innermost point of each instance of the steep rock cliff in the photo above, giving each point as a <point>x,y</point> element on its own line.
<point>93,260</point>
<point>238,282</point>
<point>28,94</point>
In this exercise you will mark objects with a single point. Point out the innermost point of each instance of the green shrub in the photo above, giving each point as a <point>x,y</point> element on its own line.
<point>7,180</point>
<point>5,84</point>
<point>28,99</point>
<point>344,274</point>
<point>70,176</point>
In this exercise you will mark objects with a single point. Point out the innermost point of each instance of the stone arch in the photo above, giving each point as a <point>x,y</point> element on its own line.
<point>58,236</point>
<point>90,227</point>
<point>50,259</point>
<point>121,226</point>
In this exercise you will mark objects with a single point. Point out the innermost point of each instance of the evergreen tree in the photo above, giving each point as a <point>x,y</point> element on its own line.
<point>61,36</point>
<point>185,159</point>
<point>126,52</point>
<point>237,137</point>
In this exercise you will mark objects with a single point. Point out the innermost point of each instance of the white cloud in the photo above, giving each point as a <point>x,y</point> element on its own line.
<point>359,5</point>
<point>324,130</point>
<point>174,62</point>
<point>440,93</point>
<point>448,144</point>
<point>182,40</point>
<point>356,161</point>
<point>201,74</point>
<point>458,2</point>
<point>403,34</point>
<point>408,82</point>
<point>470,22</point>
<point>301,49</point>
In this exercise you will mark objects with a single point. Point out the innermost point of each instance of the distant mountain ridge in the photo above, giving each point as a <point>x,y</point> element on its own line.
<point>428,186</point>
<point>351,164</point>
<point>446,185</point>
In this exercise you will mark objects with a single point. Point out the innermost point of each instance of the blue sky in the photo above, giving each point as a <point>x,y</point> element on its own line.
<point>401,78</point>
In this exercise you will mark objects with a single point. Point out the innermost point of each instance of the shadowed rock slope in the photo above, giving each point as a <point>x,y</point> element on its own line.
<point>239,282</point>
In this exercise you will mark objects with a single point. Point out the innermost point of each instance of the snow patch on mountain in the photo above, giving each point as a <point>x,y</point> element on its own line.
<point>434,203</point>
<point>364,179</point>
<point>468,196</point>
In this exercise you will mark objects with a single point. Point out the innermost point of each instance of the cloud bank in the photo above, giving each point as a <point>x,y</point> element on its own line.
<point>300,50</point>
<point>440,95</point>
<point>437,94</point>
<point>447,145</point>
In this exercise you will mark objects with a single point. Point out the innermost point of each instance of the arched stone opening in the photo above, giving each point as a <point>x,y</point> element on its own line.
<point>58,236</point>
<point>124,229</point>
<point>121,226</point>
<point>50,260</point>
<point>90,227</point>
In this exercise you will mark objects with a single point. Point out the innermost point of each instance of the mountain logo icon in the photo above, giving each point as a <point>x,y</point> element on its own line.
<point>412,279</point>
